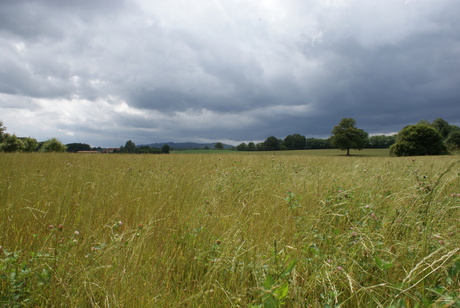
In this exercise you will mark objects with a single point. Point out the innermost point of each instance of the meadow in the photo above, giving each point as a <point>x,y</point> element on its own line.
<point>229,230</point>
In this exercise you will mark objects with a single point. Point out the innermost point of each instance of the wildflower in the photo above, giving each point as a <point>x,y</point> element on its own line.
<point>120,222</point>
<point>77,233</point>
<point>354,234</point>
<point>60,227</point>
<point>373,215</point>
<point>339,268</point>
<point>50,227</point>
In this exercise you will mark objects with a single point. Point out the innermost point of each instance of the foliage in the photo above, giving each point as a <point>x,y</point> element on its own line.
<point>11,143</point>
<point>129,147</point>
<point>145,149</point>
<point>251,146</point>
<point>271,144</point>
<point>165,149</point>
<point>52,145</point>
<point>219,146</point>
<point>295,142</point>
<point>453,141</point>
<point>75,147</point>
<point>418,139</point>
<point>346,136</point>
<point>381,141</point>
<point>442,126</point>
<point>30,144</point>
<point>242,147</point>
<point>316,143</point>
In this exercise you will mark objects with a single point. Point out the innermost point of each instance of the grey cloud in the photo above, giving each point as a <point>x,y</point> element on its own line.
<point>238,71</point>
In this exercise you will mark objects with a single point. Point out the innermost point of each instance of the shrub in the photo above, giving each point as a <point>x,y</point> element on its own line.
<point>418,139</point>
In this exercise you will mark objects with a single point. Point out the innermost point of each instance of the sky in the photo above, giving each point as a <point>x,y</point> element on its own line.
<point>107,71</point>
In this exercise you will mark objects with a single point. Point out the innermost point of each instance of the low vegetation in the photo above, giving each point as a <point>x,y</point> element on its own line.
<point>229,230</point>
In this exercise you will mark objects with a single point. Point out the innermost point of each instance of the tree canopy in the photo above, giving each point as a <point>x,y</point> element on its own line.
<point>418,139</point>
<point>11,143</point>
<point>272,144</point>
<point>165,149</point>
<point>53,145</point>
<point>295,142</point>
<point>346,136</point>
<point>219,146</point>
<point>75,147</point>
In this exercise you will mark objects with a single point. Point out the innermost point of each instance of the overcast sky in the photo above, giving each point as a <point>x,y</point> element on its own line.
<point>103,72</point>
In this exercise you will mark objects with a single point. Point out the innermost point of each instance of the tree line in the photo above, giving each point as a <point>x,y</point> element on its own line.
<point>423,138</point>
<point>13,143</point>
<point>299,142</point>
<point>130,147</point>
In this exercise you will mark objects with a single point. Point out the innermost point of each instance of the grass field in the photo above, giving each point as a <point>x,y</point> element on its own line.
<point>325,152</point>
<point>229,230</point>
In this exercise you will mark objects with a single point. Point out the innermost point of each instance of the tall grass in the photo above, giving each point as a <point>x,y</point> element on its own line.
<point>211,230</point>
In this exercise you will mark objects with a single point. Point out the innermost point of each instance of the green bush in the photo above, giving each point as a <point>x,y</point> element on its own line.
<point>419,139</point>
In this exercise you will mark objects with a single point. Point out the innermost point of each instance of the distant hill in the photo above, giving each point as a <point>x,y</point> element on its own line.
<point>186,145</point>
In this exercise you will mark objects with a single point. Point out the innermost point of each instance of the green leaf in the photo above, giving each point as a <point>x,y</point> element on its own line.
<point>382,264</point>
<point>270,302</point>
<point>289,268</point>
<point>283,291</point>
<point>268,283</point>
<point>454,269</point>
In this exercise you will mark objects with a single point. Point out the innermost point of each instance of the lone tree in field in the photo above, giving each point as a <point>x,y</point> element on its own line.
<point>346,136</point>
<point>130,147</point>
<point>165,149</point>
<point>418,139</point>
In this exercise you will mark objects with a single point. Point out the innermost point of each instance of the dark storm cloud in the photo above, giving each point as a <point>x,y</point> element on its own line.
<point>215,70</point>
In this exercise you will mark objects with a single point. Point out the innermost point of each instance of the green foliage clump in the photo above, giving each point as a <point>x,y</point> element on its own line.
<point>453,140</point>
<point>295,142</point>
<point>381,141</point>
<point>30,144</point>
<point>75,147</point>
<point>53,145</point>
<point>272,144</point>
<point>11,143</point>
<point>165,149</point>
<point>418,140</point>
<point>219,146</point>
